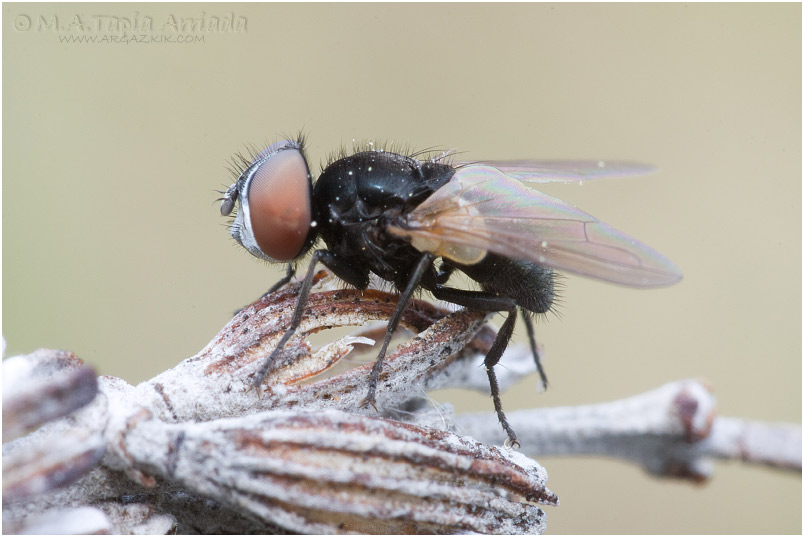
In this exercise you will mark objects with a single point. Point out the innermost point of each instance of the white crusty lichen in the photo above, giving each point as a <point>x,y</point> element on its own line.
<point>197,450</point>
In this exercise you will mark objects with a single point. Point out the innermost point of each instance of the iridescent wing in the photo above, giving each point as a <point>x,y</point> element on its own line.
<point>565,171</point>
<point>483,208</point>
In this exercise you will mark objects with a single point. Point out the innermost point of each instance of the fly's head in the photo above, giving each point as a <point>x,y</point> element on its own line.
<point>274,219</point>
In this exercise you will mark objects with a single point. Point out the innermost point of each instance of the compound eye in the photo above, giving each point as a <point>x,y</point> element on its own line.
<point>279,204</point>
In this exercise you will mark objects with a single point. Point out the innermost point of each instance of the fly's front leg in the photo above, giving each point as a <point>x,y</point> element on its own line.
<point>341,268</point>
<point>484,302</point>
<point>416,277</point>
<point>298,313</point>
<point>290,270</point>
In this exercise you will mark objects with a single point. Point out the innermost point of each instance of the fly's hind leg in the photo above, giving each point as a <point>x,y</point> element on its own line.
<point>528,318</point>
<point>485,302</point>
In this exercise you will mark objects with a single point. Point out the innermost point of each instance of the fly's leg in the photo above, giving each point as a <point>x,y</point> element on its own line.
<point>484,302</point>
<point>298,313</point>
<point>492,359</point>
<point>424,263</point>
<point>289,272</point>
<point>528,318</point>
<point>444,272</point>
<point>342,268</point>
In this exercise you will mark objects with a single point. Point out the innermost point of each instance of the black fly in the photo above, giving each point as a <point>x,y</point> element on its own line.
<point>395,216</point>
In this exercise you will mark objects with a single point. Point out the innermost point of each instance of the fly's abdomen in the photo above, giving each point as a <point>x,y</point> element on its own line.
<point>529,284</point>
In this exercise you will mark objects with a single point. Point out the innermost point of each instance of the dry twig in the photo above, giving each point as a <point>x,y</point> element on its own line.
<point>196,450</point>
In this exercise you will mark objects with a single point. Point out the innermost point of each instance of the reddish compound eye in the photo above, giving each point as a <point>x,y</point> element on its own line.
<point>279,205</point>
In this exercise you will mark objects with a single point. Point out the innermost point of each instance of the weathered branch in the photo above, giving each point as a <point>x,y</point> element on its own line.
<point>196,449</point>
<point>672,431</point>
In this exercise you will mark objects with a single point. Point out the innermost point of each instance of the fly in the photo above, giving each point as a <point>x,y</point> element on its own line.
<point>414,222</point>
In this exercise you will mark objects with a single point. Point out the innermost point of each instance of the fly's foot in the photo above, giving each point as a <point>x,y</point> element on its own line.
<point>511,442</point>
<point>368,400</point>
<point>256,386</point>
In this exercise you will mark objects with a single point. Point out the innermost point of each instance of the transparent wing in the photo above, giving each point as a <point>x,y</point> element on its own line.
<point>483,209</point>
<point>565,171</point>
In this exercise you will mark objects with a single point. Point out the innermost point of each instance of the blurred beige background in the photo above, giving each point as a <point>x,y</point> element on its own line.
<point>113,246</point>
